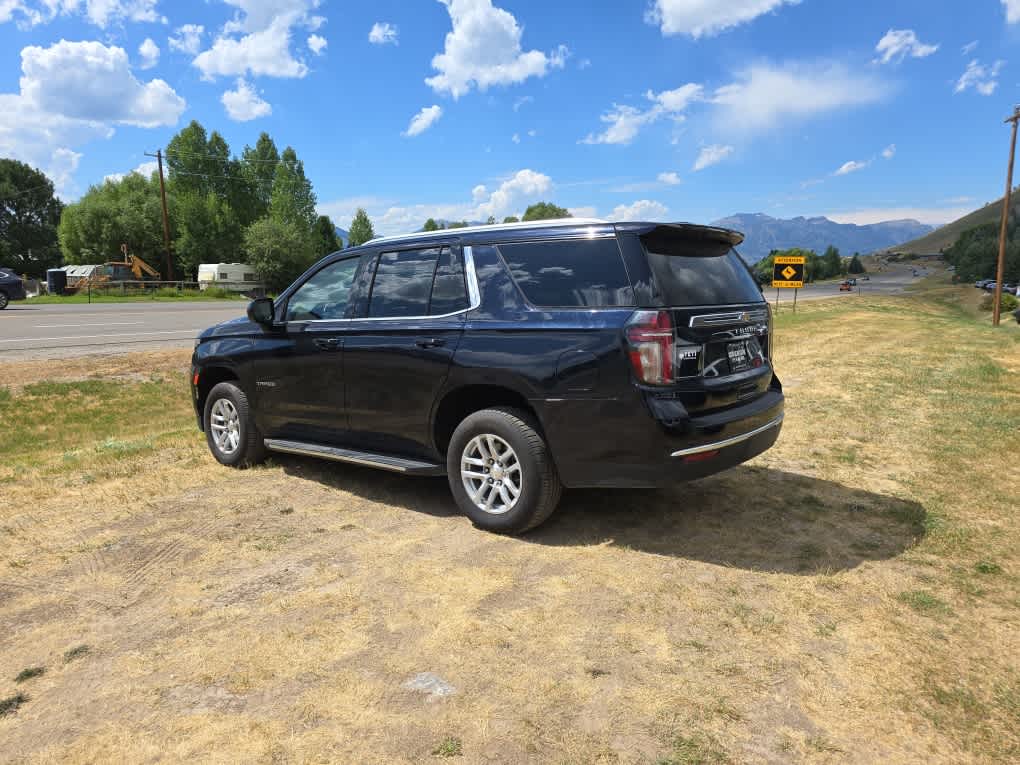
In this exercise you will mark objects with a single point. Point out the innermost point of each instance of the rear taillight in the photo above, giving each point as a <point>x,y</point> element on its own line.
<point>650,346</point>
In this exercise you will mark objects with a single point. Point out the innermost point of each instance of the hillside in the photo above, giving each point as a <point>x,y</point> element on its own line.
<point>763,233</point>
<point>946,236</point>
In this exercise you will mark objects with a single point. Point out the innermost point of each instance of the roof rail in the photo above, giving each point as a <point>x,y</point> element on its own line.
<point>491,227</point>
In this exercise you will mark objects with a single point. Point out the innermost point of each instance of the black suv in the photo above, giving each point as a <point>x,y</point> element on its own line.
<point>11,287</point>
<point>514,359</point>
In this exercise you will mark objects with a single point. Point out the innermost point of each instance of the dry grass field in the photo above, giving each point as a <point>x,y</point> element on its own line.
<point>850,596</point>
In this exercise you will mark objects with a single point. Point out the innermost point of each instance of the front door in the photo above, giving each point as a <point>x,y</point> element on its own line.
<point>300,380</point>
<point>397,352</point>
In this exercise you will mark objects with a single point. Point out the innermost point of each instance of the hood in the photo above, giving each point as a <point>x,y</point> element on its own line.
<point>242,325</point>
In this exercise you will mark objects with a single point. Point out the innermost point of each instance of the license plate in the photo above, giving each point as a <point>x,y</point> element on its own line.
<point>740,359</point>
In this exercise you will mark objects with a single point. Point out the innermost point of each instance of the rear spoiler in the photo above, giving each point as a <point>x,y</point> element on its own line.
<point>671,238</point>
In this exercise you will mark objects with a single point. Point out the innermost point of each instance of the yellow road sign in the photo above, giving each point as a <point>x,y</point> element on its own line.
<point>788,272</point>
<point>791,260</point>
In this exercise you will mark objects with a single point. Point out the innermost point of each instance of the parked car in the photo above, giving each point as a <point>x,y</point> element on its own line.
<point>866,278</point>
<point>515,359</point>
<point>852,282</point>
<point>11,287</point>
<point>845,287</point>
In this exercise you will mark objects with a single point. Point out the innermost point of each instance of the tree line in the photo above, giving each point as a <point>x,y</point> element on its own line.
<point>975,254</point>
<point>828,265</point>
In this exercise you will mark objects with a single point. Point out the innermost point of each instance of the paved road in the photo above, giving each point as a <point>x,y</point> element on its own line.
<point>884,283</point>
<point>48,331</point>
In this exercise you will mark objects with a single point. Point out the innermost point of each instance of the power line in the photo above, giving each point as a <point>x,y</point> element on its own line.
<point>197,155</point>
<point>24,191</point>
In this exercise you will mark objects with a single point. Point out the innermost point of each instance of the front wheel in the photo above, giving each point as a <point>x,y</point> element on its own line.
<point>501,472</point>
<point>4,300</point>
<point>230,429</point>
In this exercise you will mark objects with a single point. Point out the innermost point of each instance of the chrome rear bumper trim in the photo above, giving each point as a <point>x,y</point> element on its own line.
<point>729,441</point>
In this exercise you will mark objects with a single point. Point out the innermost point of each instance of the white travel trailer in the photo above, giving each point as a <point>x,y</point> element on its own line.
<point>236,277</point>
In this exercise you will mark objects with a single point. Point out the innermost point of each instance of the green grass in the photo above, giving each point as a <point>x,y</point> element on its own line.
<point>451,746</point>
<point>28,673</point>
<point>159,296</point>
<point>10,705</point>
<point>924,602</point>
<point>76,653</point>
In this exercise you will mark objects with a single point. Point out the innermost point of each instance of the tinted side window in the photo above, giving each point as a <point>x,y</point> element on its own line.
<point>449,290</point>
<point>570,274</point>
<point>403,283</point>
<point>325,294</point>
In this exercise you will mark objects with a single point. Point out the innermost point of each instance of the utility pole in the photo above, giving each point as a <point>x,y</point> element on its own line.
<point>166,218</point>
<point>1001,267</point>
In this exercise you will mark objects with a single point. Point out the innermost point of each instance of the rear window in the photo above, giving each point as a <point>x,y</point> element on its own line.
<point>570,274</point>
<point>697,273</point>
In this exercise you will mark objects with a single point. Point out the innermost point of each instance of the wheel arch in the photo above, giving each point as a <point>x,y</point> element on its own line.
<point>460,402</point>
<point>208,378</point>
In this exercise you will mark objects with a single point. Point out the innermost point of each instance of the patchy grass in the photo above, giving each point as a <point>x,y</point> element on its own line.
<point>28,673</point>
<point>10,705</point>
<point>851,595</point>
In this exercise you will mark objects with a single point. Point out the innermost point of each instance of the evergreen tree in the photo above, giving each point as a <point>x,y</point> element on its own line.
<point>361,228</point>
<point>856,267</point>
<point>832,264</point>
<point>431,225</point>
<point>292,199</point>
<point>324,237</point>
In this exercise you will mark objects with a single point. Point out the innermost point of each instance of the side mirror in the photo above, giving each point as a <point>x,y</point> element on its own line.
<point>260,311</point>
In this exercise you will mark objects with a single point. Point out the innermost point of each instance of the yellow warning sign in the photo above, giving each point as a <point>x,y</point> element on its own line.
<point>788,271</point>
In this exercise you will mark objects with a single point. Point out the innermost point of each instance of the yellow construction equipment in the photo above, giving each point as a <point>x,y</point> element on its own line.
<point>131,268</point>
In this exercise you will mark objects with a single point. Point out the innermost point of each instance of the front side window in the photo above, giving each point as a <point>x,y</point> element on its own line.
<point>403,283</point>
<point>570,274</point>
<point>325,295</point>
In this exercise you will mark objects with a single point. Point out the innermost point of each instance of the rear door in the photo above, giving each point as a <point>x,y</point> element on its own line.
<point>399,346</point>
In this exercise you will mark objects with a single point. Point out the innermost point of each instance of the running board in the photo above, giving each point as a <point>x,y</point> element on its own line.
<point>383,461</point>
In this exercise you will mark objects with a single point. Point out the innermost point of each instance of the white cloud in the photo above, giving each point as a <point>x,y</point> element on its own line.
<point>935,216</point>
<point>889,151</point>
<point>625,122</point>
<point>984,79</point>
<point>516,138</point>
<point>523,185</point>
<point>969,48</point>
<point>149,53</point>
<point>92,82</point>
<point>188,39</point>
<point>244,104</point>
<point>670,179</point>
<point>532,133</point>
<point>317,44</point>
<point>522,101</point>
<point>704,18</point>
<point>510,198</point>
<point>423,120</point>
<point>583,212</point>
<point>146,169</point>
<point>897,44</point>
<point>257,41</point>
<point>851,167</point>
<point>102,13</point>
<point>383,33</point>
<point>711,155</point>
<point>765,95</point>
<point>484,49</point>
<point>643,209</point>
<point>1012,10</point>
<point>73,93</point>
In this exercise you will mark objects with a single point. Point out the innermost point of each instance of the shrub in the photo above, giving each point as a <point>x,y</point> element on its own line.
<point>1008,303</point>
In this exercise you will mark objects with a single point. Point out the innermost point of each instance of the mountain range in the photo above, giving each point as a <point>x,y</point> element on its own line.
<point>763,233</point>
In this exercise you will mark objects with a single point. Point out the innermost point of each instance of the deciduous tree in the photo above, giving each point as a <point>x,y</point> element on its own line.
<point>29,215</point>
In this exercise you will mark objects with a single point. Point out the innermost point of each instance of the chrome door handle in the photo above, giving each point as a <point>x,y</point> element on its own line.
<point>432,342</point>
<point>327,343</point>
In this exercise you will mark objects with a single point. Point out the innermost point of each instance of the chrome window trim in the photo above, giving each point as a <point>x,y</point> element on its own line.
<point>730,441</point>
<point>474,300</point>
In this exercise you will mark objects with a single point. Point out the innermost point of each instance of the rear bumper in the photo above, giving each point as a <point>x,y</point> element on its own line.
<point>625,445</point>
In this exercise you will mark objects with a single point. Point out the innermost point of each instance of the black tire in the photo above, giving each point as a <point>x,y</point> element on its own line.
<point>4,300</point>
<point>540,485</point>
<point>250,448</point>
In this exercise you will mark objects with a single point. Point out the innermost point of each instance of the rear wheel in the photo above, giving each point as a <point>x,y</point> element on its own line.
<point>4,300</point>
<point>230,429</point>
<point>501,472</point>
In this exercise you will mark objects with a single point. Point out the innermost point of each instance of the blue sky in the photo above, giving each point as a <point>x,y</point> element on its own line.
<point>659,109</point>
